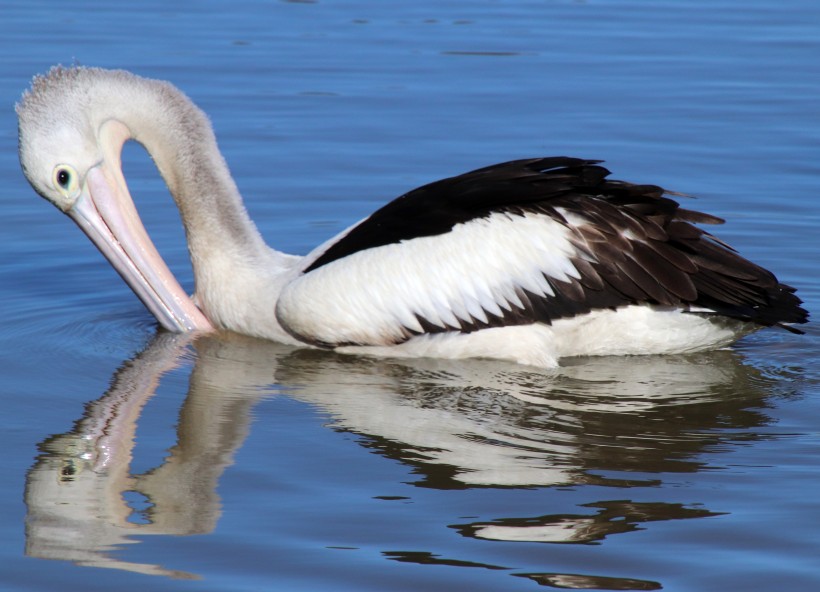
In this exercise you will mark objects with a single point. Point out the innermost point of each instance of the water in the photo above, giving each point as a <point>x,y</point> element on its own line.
<point>233,464</point>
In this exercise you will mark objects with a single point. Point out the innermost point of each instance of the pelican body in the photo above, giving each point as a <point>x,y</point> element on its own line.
<point>529,260</point>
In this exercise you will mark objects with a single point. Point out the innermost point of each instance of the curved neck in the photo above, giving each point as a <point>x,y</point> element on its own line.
<point>179,138</point>
<point>237,275</point>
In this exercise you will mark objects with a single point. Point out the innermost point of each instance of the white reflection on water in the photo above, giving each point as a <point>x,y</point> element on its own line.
<point>458,423</point>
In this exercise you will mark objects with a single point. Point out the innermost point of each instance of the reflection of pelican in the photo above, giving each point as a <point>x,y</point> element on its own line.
<point>458,423</point>
<point>76,492</point>
<point>528,261</point>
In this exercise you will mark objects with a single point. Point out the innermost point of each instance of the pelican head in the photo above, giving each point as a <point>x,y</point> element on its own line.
<point>73,123</point>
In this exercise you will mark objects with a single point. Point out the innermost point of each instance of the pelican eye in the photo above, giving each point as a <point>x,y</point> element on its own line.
<point>65,179</point>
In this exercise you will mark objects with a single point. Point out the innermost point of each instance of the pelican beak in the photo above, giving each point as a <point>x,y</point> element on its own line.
<point>106,213</point>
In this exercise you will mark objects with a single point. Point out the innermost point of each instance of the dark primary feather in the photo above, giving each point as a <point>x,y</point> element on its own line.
<point>636,244</point>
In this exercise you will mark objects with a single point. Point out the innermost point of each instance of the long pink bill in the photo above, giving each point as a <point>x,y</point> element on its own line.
<point>107,215</point>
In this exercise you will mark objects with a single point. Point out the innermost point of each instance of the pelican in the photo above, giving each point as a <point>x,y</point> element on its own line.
<point>529,260</point>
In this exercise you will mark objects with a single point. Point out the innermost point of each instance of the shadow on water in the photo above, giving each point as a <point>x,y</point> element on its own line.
<point>459,424</point>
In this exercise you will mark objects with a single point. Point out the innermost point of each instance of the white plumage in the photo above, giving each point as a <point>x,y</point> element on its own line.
<point>375,296</point>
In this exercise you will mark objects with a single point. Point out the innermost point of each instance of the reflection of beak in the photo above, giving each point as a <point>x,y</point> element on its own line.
<point>106,213</point>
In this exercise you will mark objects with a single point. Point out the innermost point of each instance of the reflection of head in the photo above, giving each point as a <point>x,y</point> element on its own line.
<point>83,501</point>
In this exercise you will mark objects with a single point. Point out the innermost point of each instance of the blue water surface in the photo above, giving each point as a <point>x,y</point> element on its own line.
<point>137,460</point>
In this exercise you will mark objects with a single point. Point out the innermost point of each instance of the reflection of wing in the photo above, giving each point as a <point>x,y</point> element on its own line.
<point>498,424</point>
<point>612,518</point>
<point>589,582</point>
